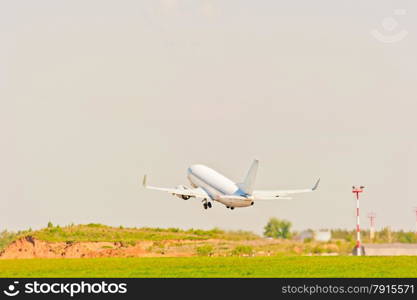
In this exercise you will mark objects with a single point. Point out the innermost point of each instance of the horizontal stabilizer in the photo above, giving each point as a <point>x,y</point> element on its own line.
<point>316,185</point>
<point>197,192</point>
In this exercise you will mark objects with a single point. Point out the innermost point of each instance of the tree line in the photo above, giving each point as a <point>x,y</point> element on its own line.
<point>276,228</point>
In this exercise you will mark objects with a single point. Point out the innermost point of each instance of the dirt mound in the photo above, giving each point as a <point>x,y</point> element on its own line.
<point>29,247</point>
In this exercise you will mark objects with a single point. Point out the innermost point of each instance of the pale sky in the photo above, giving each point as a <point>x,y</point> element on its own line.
<point>94,94</point>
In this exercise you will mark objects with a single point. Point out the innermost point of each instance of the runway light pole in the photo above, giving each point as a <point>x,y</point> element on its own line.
<point>372,217</point>
<point>357,191</point>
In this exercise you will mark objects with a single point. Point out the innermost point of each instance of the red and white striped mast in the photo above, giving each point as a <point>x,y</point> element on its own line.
<point>357,191</point>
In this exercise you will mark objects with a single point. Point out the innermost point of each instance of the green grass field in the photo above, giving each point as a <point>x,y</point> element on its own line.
<point>281,266</point>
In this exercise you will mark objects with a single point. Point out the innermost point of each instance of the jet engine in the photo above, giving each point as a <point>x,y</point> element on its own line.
<point>183,197</point>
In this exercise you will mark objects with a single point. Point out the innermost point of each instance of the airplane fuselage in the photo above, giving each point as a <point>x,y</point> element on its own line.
<point>218,187</point>
<point>210,186</point>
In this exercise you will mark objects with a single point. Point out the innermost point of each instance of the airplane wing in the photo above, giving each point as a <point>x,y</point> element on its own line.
<point>281,194</point>
<point>197,193</point>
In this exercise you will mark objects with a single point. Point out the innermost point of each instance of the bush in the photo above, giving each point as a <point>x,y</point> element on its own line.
<point>126,244</point>
<point>6,238</point>
<point>278,229</point>
<point>407,237</point>
<point>55,230</point>
<point>199,232</point>
<point>50,225</point>
<point>318,250</point>
<point>242,250</point>
<point>159,244</point>
<point>95,225</point>
<point>206,250</point>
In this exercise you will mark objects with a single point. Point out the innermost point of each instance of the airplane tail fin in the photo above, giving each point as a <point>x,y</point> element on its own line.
<point>249,182</point>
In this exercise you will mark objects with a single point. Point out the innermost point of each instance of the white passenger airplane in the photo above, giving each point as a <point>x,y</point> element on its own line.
<point>210,185</point>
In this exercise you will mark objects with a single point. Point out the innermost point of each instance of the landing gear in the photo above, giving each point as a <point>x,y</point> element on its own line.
<point>232,208</point>
<point>206,204</point>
